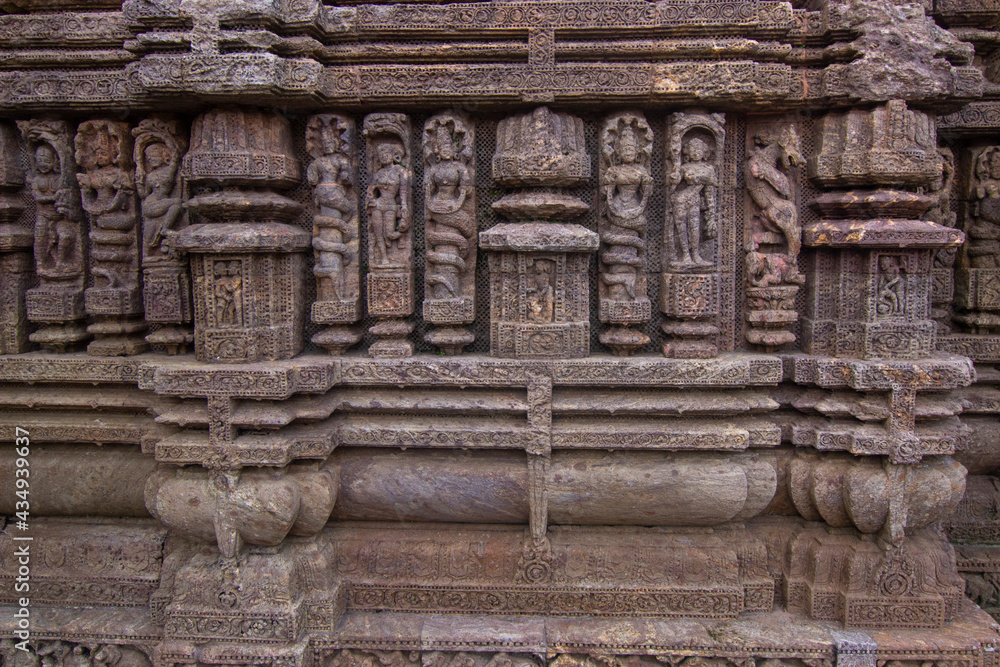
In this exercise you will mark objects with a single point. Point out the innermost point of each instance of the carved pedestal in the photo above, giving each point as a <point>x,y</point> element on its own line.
<point>249,291</point>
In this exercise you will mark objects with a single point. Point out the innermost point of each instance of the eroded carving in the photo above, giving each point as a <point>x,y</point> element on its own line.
<point>775,235</point>
<point>60,228</point>
<point>159,147</point>
<point>690,283</point>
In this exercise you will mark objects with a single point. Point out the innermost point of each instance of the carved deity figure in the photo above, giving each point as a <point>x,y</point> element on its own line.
<point>228,293</point>
<point>890,299</point>
<point>984,233</point>
<point>539,292</point>
<point>331,173</point>
<point>58,217</point>
<point>159,147</point>
<point>449,189</point>
<point>58,249</point>
<point>107,189</point>
<point>768,181</point>
<point>695,204</point>
<point>390,204</point>
<point>626,185</point>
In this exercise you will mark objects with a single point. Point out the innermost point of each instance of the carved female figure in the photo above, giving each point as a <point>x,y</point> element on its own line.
<point>389,204</point>
<point>694,203</point>
<point>158,151</point>
<point>106,188</point>
<point>448,188</point>
<point>626,186</point>
<point>984,232</point>
<point>331,174</point>
<point>767,177</point>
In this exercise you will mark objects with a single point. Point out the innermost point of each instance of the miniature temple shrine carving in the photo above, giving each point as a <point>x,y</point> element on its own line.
<point>501,333</point>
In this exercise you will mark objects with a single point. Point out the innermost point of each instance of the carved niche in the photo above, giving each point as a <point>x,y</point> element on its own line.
<point>775,234</point>
<point>625,187</point>
<point>689,284</point>
<point>160,144</point>
<point>978,275</point>
<point>870,277</point>
<point>107,191</point>
<point>15,247</point>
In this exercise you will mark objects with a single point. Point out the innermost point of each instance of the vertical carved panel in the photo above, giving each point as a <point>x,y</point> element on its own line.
<point>159,147</point>
<point>60,261</point>
<point>107,189</point>
<point>689,286</point>
<point>331,142</point>
<point>978,279</point>
<point>450,233</point>
<point>389,203</point>
<point>15,247</point>
<point>625,187</point>
<point>775,234</point>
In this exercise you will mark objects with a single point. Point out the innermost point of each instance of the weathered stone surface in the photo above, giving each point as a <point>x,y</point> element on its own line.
<point>431,417</point>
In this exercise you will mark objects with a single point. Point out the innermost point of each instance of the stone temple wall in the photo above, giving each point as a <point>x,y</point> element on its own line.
<point>511,333</point>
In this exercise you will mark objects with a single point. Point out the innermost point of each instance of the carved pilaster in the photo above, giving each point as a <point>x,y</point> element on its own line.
<point>625,187</point>
<point>15,247</point>
<point>159,146</point>
<point>450,232</point>
<point>389,205</point>
<point>60,226</point>
<point>689,284</point>
<point>333,174</point>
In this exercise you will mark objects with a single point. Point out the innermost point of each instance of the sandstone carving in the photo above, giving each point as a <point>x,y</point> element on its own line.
<point>159,146</point>
<point>328,339</point>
